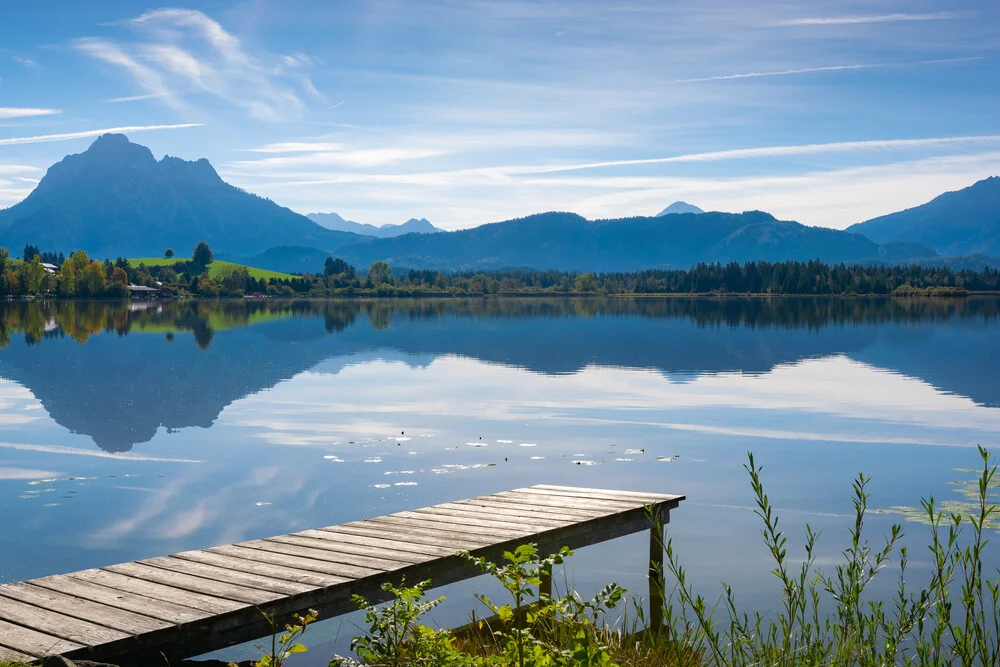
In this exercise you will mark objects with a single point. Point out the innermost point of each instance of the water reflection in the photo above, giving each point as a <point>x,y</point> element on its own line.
<point>118,372</point>
<point>219,422</point>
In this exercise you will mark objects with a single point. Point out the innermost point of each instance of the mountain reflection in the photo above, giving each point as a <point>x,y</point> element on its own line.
<point>117,372</point>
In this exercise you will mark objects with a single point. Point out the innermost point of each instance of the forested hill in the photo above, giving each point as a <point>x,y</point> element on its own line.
<point>964,222</point>
<point>569,242</point>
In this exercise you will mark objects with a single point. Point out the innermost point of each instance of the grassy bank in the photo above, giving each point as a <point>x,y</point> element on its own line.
<point>216,269</point>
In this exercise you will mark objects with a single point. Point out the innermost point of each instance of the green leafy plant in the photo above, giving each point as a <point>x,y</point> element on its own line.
<point>284,644</point>
<point>393,636</point>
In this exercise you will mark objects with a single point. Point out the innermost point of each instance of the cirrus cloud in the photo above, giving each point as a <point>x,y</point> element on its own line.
<point>183,55</point>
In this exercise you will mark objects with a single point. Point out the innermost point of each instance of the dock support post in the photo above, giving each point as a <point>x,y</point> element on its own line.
<point>657,594</point>
<point>545,577</point>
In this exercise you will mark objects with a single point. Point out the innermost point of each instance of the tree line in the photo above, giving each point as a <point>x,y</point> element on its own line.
<point>786,278</point>
<point>80,276</point>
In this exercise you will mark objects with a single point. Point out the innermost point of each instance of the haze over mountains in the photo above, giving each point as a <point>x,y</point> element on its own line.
<point>411,226</point>
<point>117,199</point>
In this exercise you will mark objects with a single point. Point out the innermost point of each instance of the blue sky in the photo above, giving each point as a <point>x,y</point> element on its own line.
<point>468,112</point>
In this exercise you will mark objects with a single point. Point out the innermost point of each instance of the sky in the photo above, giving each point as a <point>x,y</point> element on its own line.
<point>472,111</point>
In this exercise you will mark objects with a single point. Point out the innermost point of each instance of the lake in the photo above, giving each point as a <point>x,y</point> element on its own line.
<point>130,431</point>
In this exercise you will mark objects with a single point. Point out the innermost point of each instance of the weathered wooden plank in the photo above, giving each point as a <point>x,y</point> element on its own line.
<point>503,529</point>
<point>120,582</point>
<point>327,555</point>
<point>32,642</point>
<point>93,612</point>
<point>10,655</point>
<point>229,576</point>
<point>495,509</point>
<point>598,494</point>
<point>611,493</point>
<point>531,510</point>
<point>276,571</point>
<point>194,584</point>
<point>522,501</point>
<point>351,549</point>
<point>166,611</point>
<point>311,564</point>
<point>380,544</point>
<point>607,506</point>
<point>585,501</point>
<point>57,625</point>
<point>412,535</point>
<point>500,517</point>
<point>447,529</point>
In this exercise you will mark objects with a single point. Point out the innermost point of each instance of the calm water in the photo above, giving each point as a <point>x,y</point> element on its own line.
<point>128,432</point>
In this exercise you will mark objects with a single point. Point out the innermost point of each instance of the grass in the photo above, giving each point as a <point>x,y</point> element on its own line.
<point>215,269</point>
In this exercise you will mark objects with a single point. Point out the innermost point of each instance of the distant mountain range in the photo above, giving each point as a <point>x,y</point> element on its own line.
<point>567,241</point>
<point>411,226</point>
<point>964,222</point>
<point>117,199</point>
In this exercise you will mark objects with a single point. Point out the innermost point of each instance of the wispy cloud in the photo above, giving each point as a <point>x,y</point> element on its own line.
<point>135,98</point>
<point>45,138</point>
<point>772,151</point>
<point>143,75</point>
<point>17,169</point>
<point>25,112</point>
<point>871,18</point>
<point>26,62</point>
<point>298,147</point>
<point>183,54</point>
<point>829,68</point>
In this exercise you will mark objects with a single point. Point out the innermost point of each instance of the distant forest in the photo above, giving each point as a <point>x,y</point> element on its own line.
<point>80,276</point>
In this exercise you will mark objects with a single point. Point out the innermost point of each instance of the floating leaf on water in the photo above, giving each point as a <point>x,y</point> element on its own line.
<point>966,508</point>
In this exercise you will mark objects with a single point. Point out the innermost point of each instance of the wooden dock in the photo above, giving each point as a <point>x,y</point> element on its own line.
<point>193,602</point>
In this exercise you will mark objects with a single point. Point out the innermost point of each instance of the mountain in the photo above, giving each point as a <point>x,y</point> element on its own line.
<point>411,226</point>
<point>964,222</point>
<point>567,241</point>
<point>117,199</point>
<point>679,207</point>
